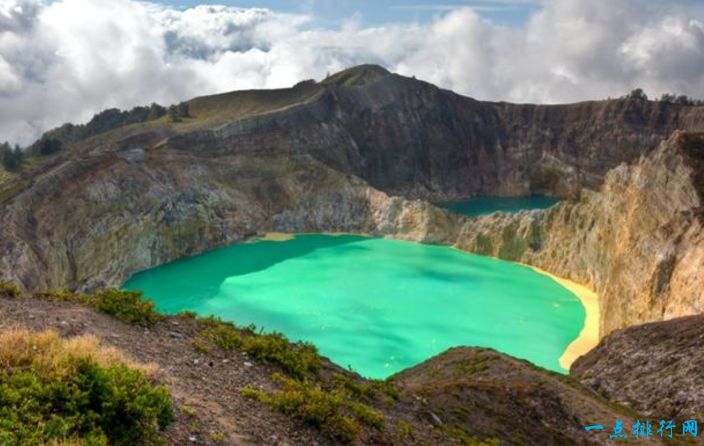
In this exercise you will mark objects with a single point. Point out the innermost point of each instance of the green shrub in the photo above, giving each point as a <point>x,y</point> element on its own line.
<point>404,430</point>
<point>367,414</point>
<point>333,411</point>
<point>218,438</point>
<point>299,358</point>
<point>388,387</point>
<point>343,428</point>
<point>222,335</point>
<point>370,389</point>
<point>128,306</point>
<point>465,438</point>
<point>76,392</point>
<point>62,295</point>
<point>200,345</point>
<point>9,289</point>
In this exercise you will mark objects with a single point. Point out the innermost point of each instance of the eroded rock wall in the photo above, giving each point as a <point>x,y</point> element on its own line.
<point>638,241</point>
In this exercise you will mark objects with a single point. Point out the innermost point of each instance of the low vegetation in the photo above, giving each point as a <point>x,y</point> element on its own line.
<point>338,404</point>
<point>669,98</point>
<point>11,158</point>
<point>127,306</point>
<point>9,289</point>
<point>56,139</point>
<point>299,359</point>
<point>75,391</point>
<point>179,112</point>
<point>334,411</point>
<point>356,76</point>
<point>465,438</point>
<point>109,119</point>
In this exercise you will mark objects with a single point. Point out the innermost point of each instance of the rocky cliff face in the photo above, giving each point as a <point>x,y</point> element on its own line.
<point>353,154</point>
<point>412,139</point>
<point>638,241</point>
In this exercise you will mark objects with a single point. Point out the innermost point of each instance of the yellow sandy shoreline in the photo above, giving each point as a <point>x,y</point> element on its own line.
<point>283,236</point>
<point>589,336</point>
<point>272,237</point>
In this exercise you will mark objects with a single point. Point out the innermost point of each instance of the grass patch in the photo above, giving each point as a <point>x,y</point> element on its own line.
<point>369,389</point>
<point>5,175</point>
<point>357,76</point>
<point>335,412</point>
<point>465,438</point>
<point>9,289</point>
<point>299,359</point>
<point>219,334</point>
<point>59,391</point>
<point>218,438</point>
<point>404,431</point>
<point>127,306</point>
<point>187,315</point>
<point>233,106</point>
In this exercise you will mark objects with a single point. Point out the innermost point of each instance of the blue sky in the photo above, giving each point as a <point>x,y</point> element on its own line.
<point>375,12</point>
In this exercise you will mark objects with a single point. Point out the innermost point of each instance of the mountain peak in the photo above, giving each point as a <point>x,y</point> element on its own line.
<point>358,76</point>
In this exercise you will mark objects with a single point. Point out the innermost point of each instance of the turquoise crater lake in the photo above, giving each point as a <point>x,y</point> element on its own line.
<point>376,305</point>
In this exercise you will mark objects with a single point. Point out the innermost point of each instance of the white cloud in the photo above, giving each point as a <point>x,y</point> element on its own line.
<point>67,59</point>
<point>9,81</point>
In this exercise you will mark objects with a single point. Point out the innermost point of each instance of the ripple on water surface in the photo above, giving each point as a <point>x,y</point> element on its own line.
<point>374,304</point>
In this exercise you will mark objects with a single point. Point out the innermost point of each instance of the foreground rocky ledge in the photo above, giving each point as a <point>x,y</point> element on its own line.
<point>654,368</point>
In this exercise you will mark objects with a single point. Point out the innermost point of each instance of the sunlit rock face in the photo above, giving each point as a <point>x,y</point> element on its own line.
<point>366,152</point>
<point>638,240</point>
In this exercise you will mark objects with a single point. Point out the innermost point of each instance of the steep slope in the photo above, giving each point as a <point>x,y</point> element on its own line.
<point>414,140</point>
<point>654,368</point>
<point>485,393</point>
<point>638,242</point>
<point>459,397</point>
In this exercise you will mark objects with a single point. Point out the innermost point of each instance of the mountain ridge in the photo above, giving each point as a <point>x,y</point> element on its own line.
<point>341,158</point>
<point>370,158</point>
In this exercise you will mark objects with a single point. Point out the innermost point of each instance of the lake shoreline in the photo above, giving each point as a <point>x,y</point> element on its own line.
<point>286,236</point>
<point>588,338</point>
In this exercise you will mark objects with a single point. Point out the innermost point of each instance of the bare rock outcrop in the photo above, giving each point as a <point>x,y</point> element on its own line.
<point>638,241</point>
<point>656,368</point>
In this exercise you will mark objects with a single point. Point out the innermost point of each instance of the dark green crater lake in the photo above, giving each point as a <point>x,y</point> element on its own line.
<point>373,304</point>
<point>486,205</point>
